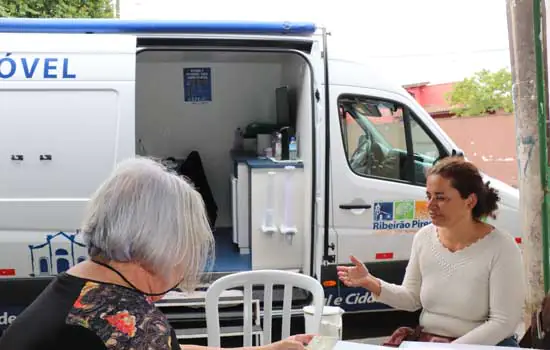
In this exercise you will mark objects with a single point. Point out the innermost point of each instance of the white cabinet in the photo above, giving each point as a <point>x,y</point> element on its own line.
<point>277,250</point>
<point>250,185</point>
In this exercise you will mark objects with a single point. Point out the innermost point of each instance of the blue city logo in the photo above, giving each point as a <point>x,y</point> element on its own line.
<point>53,256</point>
<point>400,215</point>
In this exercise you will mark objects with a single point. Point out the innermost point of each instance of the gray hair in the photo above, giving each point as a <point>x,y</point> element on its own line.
<point>143,213</point>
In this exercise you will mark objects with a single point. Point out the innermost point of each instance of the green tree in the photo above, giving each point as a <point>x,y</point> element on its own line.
<point>484,92</point>
<point>56,8</point>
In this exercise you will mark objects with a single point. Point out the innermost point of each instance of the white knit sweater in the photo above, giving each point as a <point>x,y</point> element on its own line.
<point>475,294</point>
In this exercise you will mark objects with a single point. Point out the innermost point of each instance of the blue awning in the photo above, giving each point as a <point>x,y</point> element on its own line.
<point>84,25</point>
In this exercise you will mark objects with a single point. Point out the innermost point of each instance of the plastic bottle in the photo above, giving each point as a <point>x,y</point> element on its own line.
<point>277,152</point>
<point>292,149</point>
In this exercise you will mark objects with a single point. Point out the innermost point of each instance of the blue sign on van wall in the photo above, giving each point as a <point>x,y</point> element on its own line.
<point>197,84</point>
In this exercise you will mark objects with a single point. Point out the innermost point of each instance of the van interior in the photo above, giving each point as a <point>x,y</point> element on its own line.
<point>195,109</point>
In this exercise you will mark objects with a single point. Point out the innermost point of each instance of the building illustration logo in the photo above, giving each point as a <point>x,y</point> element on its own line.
<point>400,215</point>
<point>57,254</point>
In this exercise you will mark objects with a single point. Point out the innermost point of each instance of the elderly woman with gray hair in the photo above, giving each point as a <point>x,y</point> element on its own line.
<point>146,232</point>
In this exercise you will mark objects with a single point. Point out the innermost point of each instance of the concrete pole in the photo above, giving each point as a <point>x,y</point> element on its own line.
<point>523,61</point>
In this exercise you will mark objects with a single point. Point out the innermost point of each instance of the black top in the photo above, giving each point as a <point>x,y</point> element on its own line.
<point>75,313</point>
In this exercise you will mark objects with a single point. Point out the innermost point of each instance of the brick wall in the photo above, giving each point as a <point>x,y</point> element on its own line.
<point>488,141</point>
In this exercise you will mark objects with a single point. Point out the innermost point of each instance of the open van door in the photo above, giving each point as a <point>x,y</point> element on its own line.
<point>380,152</point>
<point>66,119</point>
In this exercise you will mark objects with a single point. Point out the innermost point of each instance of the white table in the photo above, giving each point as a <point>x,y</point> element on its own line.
<point>348,345</point>
<point>422,345</point>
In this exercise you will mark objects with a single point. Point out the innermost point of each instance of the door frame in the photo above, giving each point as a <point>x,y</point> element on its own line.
<point>208,45</point>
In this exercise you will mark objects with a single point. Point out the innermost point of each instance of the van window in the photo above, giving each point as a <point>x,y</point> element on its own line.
<point>422,143</point>
<point>384,139</point>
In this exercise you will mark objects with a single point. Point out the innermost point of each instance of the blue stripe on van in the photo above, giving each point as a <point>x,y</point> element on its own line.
<point>86,25</point>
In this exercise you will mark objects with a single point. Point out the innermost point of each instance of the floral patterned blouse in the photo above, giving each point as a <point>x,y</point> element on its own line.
<point>74,313</point>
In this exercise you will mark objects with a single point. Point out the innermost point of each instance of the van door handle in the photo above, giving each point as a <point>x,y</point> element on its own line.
<point>355,206</point>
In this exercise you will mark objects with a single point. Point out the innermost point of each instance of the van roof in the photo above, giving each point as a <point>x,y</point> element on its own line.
<point>113,25</point>
<point>364,74</point>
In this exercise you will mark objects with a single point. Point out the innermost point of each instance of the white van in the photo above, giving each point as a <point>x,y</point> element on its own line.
<point>78,96</point>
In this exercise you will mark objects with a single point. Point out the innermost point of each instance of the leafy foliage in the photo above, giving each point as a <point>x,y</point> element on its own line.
<point>56,8</point>
<point>484,92</point>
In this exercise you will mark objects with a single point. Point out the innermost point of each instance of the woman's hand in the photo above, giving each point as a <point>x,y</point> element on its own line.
<point>295,342</point>
<point>353,276</point>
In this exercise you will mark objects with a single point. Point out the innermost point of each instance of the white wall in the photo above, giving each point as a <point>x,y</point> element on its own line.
<point>242,92</point>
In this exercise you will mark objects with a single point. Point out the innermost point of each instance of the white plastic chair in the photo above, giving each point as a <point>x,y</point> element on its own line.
<point>267,278</point>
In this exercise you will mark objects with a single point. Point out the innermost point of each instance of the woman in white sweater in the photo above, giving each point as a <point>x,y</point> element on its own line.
<point>466,275</point>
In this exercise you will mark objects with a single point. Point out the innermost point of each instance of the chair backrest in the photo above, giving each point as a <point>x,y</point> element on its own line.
<point>267,278</point>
